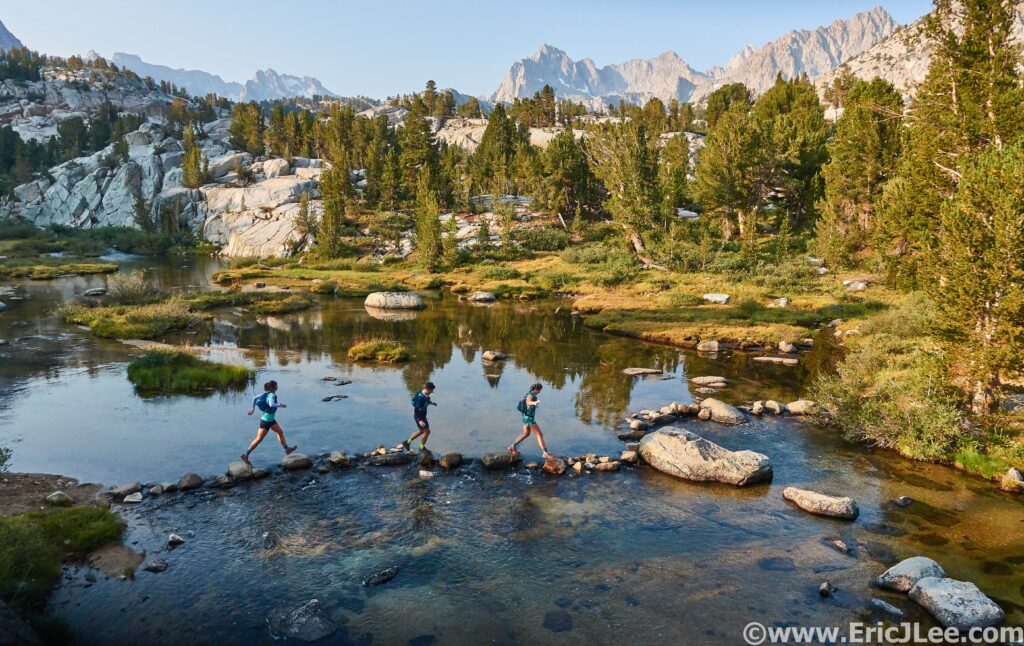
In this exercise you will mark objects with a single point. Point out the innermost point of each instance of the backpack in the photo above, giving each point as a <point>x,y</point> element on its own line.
<point>261,402</point>
<point>521,406</point>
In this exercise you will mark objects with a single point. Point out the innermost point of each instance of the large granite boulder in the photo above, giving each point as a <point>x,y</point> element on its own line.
<point>686,455</point>
<point>905,574</point>
<point>395,300</point>
<point>822,505</point>
<point>276,168</point>
<point>723,413</point>
<point>956,604</point>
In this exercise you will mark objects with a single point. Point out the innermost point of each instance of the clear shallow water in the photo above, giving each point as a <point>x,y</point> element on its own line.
<point>483,558</point>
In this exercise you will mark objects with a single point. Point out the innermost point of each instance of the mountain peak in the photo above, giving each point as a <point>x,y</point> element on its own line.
<point>547,51</point>
<point>8,40</point>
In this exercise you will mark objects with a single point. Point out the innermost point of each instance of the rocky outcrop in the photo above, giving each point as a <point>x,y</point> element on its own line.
<point>686,455</point>
<point>821,504</point>
<point>394,300</point>
<point>956,604</point>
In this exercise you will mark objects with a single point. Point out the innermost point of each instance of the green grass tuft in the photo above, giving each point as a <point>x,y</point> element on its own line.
<point>384,350</point>
<point>161,371</point>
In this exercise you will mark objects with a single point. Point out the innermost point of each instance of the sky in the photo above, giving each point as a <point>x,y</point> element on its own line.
<point>380,48</point>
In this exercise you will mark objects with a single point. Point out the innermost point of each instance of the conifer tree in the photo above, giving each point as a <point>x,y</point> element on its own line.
<point>428,223</point>
<point>981,290</point>
<point>450,243</point>
<point>863,154</point>
<point>332,222</point>
<point>195,168</point>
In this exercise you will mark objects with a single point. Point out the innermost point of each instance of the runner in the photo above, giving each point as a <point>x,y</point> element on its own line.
<point>527,406</point>
<point>268,405</point>
<point>420,402</point>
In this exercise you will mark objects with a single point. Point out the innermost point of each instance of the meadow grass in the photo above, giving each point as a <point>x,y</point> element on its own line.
<point>162,371</point>
<point>384,350</point>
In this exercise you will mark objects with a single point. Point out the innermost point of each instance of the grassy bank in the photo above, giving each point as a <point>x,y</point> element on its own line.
<point>892,388</point>
<point>165,372</point>
<point>47,268</point>
<point>33,545</point>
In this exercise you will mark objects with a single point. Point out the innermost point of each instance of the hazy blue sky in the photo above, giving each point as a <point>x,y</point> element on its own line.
<point>382,47</point>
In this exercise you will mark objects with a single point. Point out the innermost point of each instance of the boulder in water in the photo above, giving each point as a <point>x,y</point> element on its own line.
<point>905,574</point>
<point>450,460</point>
<point>822,505</point>
<point>390,459</point>
<point>495,461</point>
<point>240,470</point>
<point>686,455</point>
<point>802,407</point>
<point>633,372</point>
<point>296,461</point>
<point>395,300</point>
<point>956,604</point>
<point>723,413</point>
<point>59,499</point>
<point>711,345</point>
<point>307,622</point>
<point>126,490</point>
<point>494,355</point>
<point>426,458</point>
<point>481,297</point>
<point>710,380</point>
<point>554,467</point>
<point>190,481</point>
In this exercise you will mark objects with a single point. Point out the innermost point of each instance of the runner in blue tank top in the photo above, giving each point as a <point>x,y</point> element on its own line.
<point>420,403</point>
<point>528,408</point>
<point>268,404</point>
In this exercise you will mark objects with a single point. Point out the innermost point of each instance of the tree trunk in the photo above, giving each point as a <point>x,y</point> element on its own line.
<point>982,398</point>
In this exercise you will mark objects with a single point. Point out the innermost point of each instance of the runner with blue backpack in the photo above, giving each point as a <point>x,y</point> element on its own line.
<point>527,407</point>
<point>420,403</point>
<point>267,404</point>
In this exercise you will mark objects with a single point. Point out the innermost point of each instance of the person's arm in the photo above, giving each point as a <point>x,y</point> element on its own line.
<point>252,407</point>
<point>272,404</point>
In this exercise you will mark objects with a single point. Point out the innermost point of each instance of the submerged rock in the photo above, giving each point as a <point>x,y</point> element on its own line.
<point>133,497</point>
<point>956,604</point>
<point>710,380</point>
<point>902,576</point>
<point>307,622</point>
<point>686,455</point>
<point>156,566</point>
<point>723,413</point>
<point>395,300</point>
<point>886,608</point>
<point>822,505</point>
<point>450,460</point>
<point>296,461</point>
<point>558,621</point>
<point>381,576</point>
<point>495,461</point>
<point>611,465</point>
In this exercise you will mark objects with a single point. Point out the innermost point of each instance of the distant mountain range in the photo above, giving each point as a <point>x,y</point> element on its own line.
<point>8,40</point>
<point>668,76</point>
<point>903,57</point>
<point>265,85</point>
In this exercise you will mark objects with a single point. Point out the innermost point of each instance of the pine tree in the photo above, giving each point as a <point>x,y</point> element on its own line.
<point>483,235</point>
<point>391,180</point>
<point>195,169</point>
<point>305,223</point>
<point>863,152</point>
<point>728,171</point>
<point>247,128</point>
<point>428,224</point>
<point>625,159</point>
<point>982,269</point>
<point>969,101</point>
<point>331,230</point>
<point>719,101</point>
<point>450,243</point>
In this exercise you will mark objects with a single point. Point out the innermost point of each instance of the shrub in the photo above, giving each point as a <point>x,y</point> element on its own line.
<point>161,371</point>
<point>133,288</point>
<point>385,350</point>
<point>588,255</point>
<point>547,238</point>
<point>241,262</point>
<point>499,272</point>
<point>5,458</point>
<point>325,287</point>
<point>555,280</point>
<point>680,299</point>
